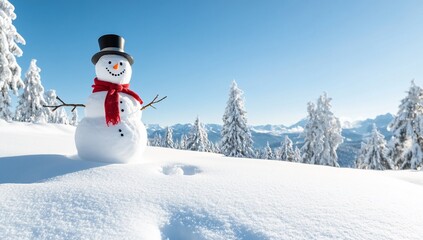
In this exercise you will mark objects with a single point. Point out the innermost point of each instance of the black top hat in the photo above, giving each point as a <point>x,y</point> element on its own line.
<point>111,44</point>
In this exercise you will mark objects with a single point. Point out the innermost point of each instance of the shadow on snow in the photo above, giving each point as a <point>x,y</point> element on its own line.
<point>36,168</point>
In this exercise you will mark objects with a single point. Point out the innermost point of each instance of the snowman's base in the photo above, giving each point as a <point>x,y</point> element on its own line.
<point>121,143</point>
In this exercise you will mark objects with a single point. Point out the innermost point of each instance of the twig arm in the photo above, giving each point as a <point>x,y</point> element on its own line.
<point>154,101</point>
<point>63,104</point>
<point>74,106</point>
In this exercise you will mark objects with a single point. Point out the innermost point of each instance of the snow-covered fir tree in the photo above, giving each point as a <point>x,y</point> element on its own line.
<point>374,153</point>
<point>50,97</point>
<point>58,116</point>
<point>407,128</point>
<point>310,135</point>
<point>31,101</point>
<point>322,134</point>
<point>157,140</point>
<point>297,155</point>
<point>286,151</point>
<point>236,136</point>
<point>74,119</point>
<point>61,116</point>
<point>168,142</point>
<point>10,71</point>
<point>214,147</point>
<point>268,152</point>
<point>183,142</point>
<point>198,138</point>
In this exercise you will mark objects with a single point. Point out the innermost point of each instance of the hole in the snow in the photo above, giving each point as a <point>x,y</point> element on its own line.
<point>180,169</point>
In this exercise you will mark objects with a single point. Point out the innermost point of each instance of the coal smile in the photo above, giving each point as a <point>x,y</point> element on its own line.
<point>115,74</point>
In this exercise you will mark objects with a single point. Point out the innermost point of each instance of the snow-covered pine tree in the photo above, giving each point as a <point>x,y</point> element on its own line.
<point>74,119</point>
<point>59,116</point>
<point>331,128</point>
<point>236,136</point>
<point>286,151</point>
<point>157,140</point>
<point>30,105</point>
<point>50,97</point>
<point>177,144</point>
<point>268,152</point>
<point>216,147</point>
<point>183,142</point>
<point>361,155</point>
<point>374,153</point>
<point>257,153</point>
<point>407,128</point>
<point>169,138</point>
<point>198,138</point>
<point>297,155</point>
<point>322,134</point>
<point>310,136</point>
<point>10,71</point>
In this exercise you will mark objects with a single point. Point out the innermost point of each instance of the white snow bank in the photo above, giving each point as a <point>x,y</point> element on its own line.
<point>20,138</point>
<point>190,195</point>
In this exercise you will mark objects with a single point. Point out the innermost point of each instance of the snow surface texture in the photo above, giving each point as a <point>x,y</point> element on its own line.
<point>47,193</point>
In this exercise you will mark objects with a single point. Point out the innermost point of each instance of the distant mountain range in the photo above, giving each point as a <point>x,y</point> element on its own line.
<point>353,133</point>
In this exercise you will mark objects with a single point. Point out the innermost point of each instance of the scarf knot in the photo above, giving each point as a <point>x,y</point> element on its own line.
<point>111,103</point>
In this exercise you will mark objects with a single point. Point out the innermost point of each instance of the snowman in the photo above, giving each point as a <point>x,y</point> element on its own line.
<point>111,130</point>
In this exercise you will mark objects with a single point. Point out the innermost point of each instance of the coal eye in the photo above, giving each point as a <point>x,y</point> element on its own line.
<point>110,62</point>
<point>121,63</point>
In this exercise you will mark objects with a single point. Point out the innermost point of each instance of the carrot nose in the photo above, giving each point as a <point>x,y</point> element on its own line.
<point>116,66</point>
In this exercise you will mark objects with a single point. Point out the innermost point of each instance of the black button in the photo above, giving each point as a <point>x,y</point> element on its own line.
<point>121,134</point>
<point>121,102</point>
<point>120,130</point>
<point>122,110</point>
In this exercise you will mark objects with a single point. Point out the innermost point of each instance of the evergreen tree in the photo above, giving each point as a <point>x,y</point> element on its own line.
<point>407,129</point>
<point>286,151</point>
<point>157,141</point>
<point>297,155</point>
<point>30,106</point>
<point>61,116</point>
<point>236,136</point>
<point>214,147</point>
<point>51,99</point>
<point>169,138</point>
<point>361,155</point>
<point>374,153</point>
<point>198,139</point>
<point>183,142</point>
<point>257,153</point>
<point>58,116</point>
<point>268,152</point>
<point>322,134</point>
<point>310,136</point>
<point>10,71</point>
<point>74,119</point>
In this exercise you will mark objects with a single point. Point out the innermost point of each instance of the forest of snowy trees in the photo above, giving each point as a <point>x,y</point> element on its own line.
<point>322,136</point>
<point>322,133</point>
<point>30,92</point>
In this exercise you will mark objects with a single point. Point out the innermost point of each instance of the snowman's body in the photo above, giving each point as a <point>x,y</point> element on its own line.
<point>122,142</point>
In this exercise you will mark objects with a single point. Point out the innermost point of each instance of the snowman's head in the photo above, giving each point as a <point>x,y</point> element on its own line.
<point>113,68</point>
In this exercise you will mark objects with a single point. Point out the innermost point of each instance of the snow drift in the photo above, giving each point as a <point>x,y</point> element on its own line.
<point>47,193</point>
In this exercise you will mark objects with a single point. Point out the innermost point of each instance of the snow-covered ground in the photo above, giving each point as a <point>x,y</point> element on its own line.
<point>47,193</point>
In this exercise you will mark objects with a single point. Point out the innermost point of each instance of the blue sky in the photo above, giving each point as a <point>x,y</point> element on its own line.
<point>282,54</point>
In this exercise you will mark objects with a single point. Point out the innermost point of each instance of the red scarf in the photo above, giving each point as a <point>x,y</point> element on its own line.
<point>111,103</point>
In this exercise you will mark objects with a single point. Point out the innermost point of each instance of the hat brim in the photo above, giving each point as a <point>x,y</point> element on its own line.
<point>98,55</point>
